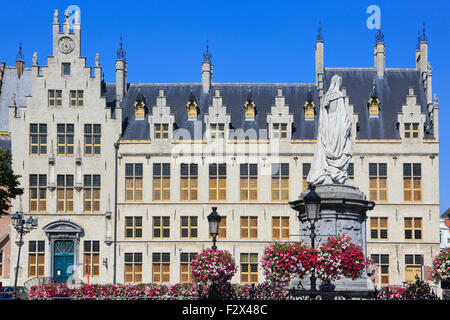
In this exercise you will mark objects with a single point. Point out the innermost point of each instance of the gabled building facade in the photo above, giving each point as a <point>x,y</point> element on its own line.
<point>122,176</point>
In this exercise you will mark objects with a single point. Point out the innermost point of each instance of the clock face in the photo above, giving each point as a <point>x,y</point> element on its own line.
<point>66,45</point>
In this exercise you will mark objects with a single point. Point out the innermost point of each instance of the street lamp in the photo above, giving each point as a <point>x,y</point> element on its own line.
<point>22,227</point>
<point>214,223</point>
<point>312,208</point>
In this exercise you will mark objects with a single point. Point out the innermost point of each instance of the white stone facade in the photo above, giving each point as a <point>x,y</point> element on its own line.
<point>264,151</point>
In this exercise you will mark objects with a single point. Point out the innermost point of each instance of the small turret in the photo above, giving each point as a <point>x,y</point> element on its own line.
<point>207,69</point>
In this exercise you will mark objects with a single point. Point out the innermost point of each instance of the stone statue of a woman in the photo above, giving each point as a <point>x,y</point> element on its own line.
<point>333,146</point>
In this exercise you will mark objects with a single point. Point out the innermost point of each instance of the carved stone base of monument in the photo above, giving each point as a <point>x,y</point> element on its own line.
<point>342,212</point>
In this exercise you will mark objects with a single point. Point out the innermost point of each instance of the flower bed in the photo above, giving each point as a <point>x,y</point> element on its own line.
<point>441,266</point>
<point>213,266</point>
<point>419,290</point>
<point>120,291</point>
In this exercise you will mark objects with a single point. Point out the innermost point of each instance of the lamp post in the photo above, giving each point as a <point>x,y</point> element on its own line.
<point>312,208</point>
<point>22,227</point>
<point>214,223</point>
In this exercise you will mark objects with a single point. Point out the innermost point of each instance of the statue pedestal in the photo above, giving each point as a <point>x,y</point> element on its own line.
<point>342,212</point>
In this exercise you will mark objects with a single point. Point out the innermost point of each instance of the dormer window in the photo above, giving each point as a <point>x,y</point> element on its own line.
<point>139,106</point>
<point>374,107</point>
<point>161,131</point>
<point>279,131</point>
<point>309,109</point>
<point>412,130</point>
<point>217,130</point>
<point>250,110</point>
<point>192,107</point>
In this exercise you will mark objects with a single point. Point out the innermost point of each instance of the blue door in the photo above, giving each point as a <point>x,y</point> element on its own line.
<point>63,260</point>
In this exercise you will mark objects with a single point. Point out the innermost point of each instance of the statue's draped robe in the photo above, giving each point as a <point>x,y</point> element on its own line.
<point>333,146</point>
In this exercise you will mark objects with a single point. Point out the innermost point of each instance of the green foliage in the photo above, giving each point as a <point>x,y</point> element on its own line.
<point>9,182</point>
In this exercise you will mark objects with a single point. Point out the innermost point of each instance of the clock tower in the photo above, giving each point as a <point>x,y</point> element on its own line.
<point>66,42</point>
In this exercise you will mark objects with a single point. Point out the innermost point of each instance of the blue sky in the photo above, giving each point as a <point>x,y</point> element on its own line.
<point>251,41</point>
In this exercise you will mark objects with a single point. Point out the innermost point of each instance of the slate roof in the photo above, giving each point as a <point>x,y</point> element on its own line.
<point>12,84</point>
<point>5,143</point>
<point>233,96</point>
<point>391,90</point>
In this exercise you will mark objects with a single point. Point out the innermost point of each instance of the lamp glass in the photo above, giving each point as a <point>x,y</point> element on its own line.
<point>15,218</point>
<point>214,222</point>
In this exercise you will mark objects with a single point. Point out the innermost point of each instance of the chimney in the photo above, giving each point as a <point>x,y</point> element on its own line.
<point>121,74</point>
<point>319,61</point>
<point>20,61</point>
<point>379,54</point>
<point>207,69</point>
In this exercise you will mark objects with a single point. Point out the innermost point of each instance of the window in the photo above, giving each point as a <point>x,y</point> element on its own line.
<point>36,258</point>
<point>280,228</point>
<point>185,266</point>
<point>217,131</point>
<point>378,181</point>
<point>161,227</point>
<point>76,98</point>
<point>222,228</point>
<point>382,262</point>
<point>351,171</point>
<point>217,182</point>
<point>38,138</point>
<point>64,191</point>
<point>249,227</point>
<point>55,98</point>
<point>250,109</point>
<point>91,192</point>
<point>91,258</point>
<point>189,227</point>
<point>306,167</point>
<point>133,267</point>
<point>412,130</point>
<point>133,182</point>
<point>161,131</point>
<point>133,227</point>
<point>249,181</point>
<point>279,131</point>
<point>189,182</point>
<point>249,268</point>
<point>161,181</point>
<point>65,139</point>
<point>413,228</point>
<point>413,267</point>
<point>378,228</point>
<point>38,192</point>
<point>412,181</point>
<point>161,267</point>
<point>92,139</point>
<point>280,181</point>
<point>65,69</point>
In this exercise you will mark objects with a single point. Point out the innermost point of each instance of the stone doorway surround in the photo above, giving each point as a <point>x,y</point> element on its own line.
<point>64,230</point>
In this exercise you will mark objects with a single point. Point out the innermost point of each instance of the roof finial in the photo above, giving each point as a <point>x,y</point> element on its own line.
<point>424,36</point>
<point>379,36</point>
<point>319,32</point>
<point>207,55</point>
<point>20,53</point>
<point>121,54</point>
